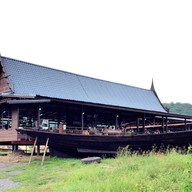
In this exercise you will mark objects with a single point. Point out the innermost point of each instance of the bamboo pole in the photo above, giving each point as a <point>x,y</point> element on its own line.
<point>32,151</point>
<point>46,146</point>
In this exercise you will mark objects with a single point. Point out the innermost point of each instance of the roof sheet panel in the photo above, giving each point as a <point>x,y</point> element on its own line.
<point>34,79</point>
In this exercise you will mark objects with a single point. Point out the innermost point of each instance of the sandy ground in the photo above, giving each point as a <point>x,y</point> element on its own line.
<point>8,162</point>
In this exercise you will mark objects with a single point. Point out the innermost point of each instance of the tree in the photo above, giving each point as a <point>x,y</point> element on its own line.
<point>179,108</point>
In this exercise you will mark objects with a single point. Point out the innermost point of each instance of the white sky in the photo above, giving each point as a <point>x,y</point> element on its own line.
<point>129,41</point>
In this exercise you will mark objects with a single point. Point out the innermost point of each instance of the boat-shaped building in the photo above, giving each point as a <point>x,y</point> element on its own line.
<point>34,96</point>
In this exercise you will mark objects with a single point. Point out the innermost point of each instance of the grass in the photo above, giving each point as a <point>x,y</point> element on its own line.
<point>170,171</point>
<point>4,152</point>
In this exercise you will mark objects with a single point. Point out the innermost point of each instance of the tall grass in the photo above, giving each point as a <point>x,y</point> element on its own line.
<point>153,171</point>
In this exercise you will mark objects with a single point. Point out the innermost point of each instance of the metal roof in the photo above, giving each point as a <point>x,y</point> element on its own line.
<point>31,79</point>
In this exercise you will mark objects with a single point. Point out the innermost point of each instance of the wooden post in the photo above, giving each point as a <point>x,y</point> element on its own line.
<point>163,125</point>
<point>2,119</point>
<point>38,150</point>
<point>14,147</point>
<point>185,124</point>
<point>137,124</point>
<point>38,117</point>
<point>82,121</point>
<point>45,150</point>
<point>166,124</point>
<point>60,128</point>
<point>15,118</point>
<point>144,122</point>
<point>117,122</point>
<point>32,151</point>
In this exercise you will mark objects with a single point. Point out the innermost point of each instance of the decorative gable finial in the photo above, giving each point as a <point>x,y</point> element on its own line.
<point>152,86</point>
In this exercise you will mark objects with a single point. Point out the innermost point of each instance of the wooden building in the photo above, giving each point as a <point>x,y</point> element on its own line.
<point>46,98</point>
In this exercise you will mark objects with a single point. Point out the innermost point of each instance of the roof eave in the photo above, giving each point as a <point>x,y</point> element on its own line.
<point>164,114</point>
<point>19,96</point>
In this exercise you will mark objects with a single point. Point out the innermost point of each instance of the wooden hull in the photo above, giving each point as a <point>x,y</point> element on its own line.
<point>74,144</point>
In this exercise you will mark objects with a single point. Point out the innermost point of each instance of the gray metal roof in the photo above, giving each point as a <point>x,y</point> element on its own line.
<point>30,79</point>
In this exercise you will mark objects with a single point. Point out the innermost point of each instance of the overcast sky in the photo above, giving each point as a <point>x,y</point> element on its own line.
<point>128,42</point>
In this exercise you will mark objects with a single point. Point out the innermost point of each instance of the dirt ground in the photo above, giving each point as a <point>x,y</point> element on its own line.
<point>14,157</point>
<point>9,161</point>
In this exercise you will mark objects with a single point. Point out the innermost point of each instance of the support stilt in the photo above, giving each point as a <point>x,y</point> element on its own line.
<point>38,150</point>
<point>45,150</point>
<point>32,151</point>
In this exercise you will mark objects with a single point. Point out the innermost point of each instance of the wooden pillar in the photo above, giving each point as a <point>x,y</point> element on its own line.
<point>163,124</point>
<point>166,124</point>
<point>82,120</point>
<point>67,116</point>
<point>117,122</point>
<point>153,121</point>
<point>144,122</point>
<point>185,124</point>
<point>61,127</point>
<point>137,124</point>
<point>2,117</point>
<point>15,118</point>
<point>14,147</point>
<point>38,149</point>
<point>38,117</point>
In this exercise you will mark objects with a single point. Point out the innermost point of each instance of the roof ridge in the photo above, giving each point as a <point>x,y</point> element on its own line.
<point>79,75</point>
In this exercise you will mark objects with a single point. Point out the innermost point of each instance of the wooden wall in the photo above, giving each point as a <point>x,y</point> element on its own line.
<point>5,86</point>
<point>8,135</point>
